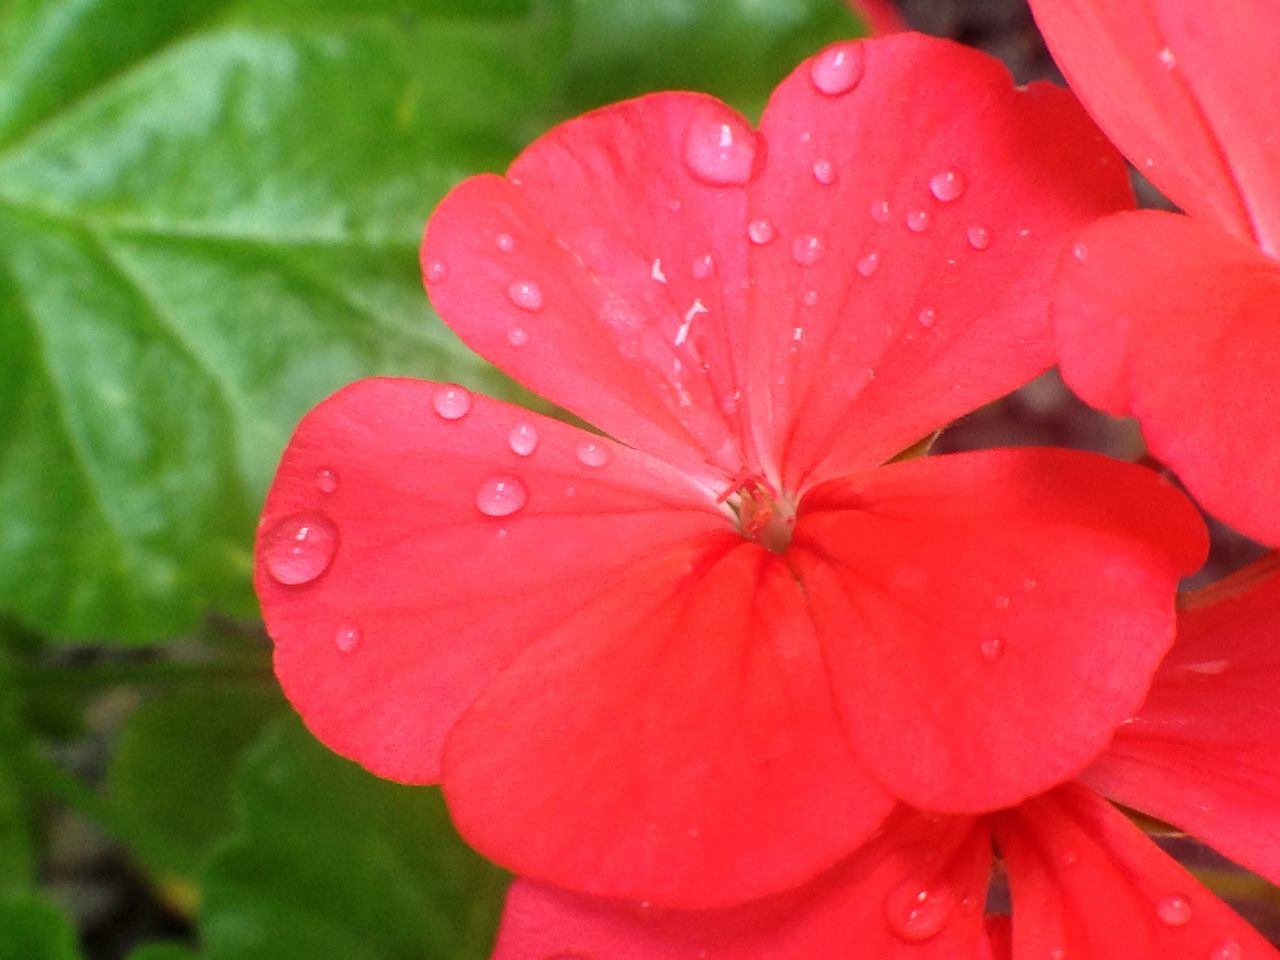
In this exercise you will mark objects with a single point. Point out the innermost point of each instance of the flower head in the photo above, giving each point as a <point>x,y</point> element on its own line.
<point>700,657</point>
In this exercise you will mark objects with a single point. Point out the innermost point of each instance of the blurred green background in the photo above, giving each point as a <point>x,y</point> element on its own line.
<point>209,215</point>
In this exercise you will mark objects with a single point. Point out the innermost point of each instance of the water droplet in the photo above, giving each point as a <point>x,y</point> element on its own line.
<point>868,264</point>
<point>810,297</point>
<point>881,211</point>
<point>992,647</point>
<point>916,913</point>
<point>526,295</point>
<point>436,272</point>
<point>326,480</point>
<point>824,172</point>
<point>593,454</point>
<point>918,221</point>
<point>836,70</point>
<point>347,639</point>
<point>1029,584</point>
<point>517,336</point>
<point>523,439</point>
<point>947,186</point>
<point>1003,602</point>
<point>979,237</point>
<point>1168,58</point>
<point>927,317</point>
<point>674,204</point>
<point>760,231</point>
<point>1226,950</point>
<point>1070,858</point>
<point>720,149</point>
<point>506,242</point>
<point>806,250</point>
<point>1173,910</point>
<point>703,267</point>
<point>300,547</point>
<point>797,334</point>
<point>571,491</point>
<point>655,271</point>
<point>451,401</point>
<point>501,495</point>
<point>1080,251</point>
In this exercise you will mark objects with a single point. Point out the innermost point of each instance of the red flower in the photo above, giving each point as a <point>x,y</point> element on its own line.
<point>1176,319</point>
<point>699,660</point>
<point>1083,881</point>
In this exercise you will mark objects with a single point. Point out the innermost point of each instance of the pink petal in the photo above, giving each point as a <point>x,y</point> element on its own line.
<point>1190,90</point>
<point>869,906</point>
<point>407,553</point>
<point>1178,324</point>
<point>1087,883</point>
<point>1202,752</point>
<point>675,741</point>
<point>870,335</point>
<point>989,618</point>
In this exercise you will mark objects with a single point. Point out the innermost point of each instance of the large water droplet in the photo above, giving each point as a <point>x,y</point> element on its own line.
<point>1173,910</point>
<point>300,547</point>
<point>760,231</point>
<point>523,439</point>
<point>347,639</point>
<point>526,295</point>
<point>720,149</point>
<point>451,401</point>
<point>881,212</point>
<point>436,272</point>
<point>824,172</point>
<point>501,495</point>
<point>593,454</point>
<point>837,69</point>
<point>979,237</point>
<point>869,264</point>
<point>517,336</point>
<point>916,913</point>
<point>326,480</point>
<point>947,186</point>
<point>703,267</point>
<point>918,221</point>
<point>806,250</point>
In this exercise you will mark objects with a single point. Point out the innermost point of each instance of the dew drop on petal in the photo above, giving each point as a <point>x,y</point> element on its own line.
<point>1003,602</point>
<point>824,172</point>
<point>1029,584</point>
<point>992,647</point>
<point>526,295</point>
<point>326,480</point>
<point>501,495</point>
<point>523,439</point>
<point>918,221</point>
<point>947,186</point>
<point>1168,58</point>
<point>979,237</point>
<point>1173,910</point>
<point>720,149</point>
<point>506,243</point>
<point>760,231</point>
<point>927,317</point>
<point>703,267</point>
<point>299,548</point>
<point>868,265</point>
<point>451,401</point>
<point>436,272</point>
<point>593,454</point>
<point>1080,251</point>
<point>517,336</point>
<point>347,639</point>
<point>810,297</point>
<point>655,271</point>
<point>916,913</point>
<point>806,250</point>
<point>1226,950</point>
<point>837,70</point>
<point>881,212</point>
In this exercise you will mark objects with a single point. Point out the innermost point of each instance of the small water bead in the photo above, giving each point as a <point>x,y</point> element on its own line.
<point>824,172</point>
<point>1173,910</point>
<point>760,232</point>
<point>881,212</point>
<point>517,336</point>
<point>436,272</point>
<point>868,265</point>
<point>506,242</point>
<point>838,69</point>
<point>992,647</point>
<point>703,267</point>
<point>927,317</point>
<point>806,250</point>
<point>1226,950</point>
<point>299,548</point>
<point>1168,58</point>
<point>1003,602</point>
<point>916,914</point>
<point>526,295</point>
<point>979,237</point>
<point>947,186</point>
<point>918,221</point>
<point>720,149</point>
<point>523,439</point>
<point>1080,251</point>
<point>655,271</point>
<point>810,297</point>
<point>326,480</point>
<point>593,454</point>
<point>501,495</point>
<point>347,639</point>
<point>451,402</point>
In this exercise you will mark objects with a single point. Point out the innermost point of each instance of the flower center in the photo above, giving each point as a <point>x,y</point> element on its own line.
<point>763,515</point>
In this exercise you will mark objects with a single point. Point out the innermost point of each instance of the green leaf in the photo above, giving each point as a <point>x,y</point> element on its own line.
<point>331,863</point>
<point>31,928</point>
<point>209,215</point>
<point>735,49</point>
<point>17,865</point>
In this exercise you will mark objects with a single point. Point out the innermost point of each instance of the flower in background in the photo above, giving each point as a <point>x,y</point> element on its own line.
<point>1083,881</point>
<point>1176,319</point>
<point>701,657</point>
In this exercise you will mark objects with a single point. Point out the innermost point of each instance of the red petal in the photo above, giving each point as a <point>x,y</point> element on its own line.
<point>1202,752</point>
<point>401,599</point>
<point>639,271</point>
<point>1190,91</point>
<point>675,741</point>
<point>989,618</point>
<point>897,328</point>
<point>1087,883</point>
<point>850,912</point>
<point>1179,325</point>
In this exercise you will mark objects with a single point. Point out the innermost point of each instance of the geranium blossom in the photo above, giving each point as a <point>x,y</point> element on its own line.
<point>1084,882</point>
<point>1176,319</point>
<point>702,656</point>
